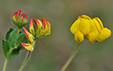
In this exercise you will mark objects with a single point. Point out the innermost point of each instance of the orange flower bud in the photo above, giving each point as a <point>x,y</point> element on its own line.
<point>31,27</point>
<point>29,36</point>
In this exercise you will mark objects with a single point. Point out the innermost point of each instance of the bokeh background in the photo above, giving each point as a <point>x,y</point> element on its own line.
<point>51,52</point>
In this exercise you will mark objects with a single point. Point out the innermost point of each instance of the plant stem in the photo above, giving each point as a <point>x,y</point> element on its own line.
<point>27,58</point>
<point>70,58</point>
<point>5,64</point>
<point>6,60</point>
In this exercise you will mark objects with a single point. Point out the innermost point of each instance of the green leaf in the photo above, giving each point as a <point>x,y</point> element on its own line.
<point>14,53</point>
<point>20,38</point>
<point>12,45</point>
<point>13,38</point>
<point>8,33</point>
<point>25,40</point>
<point>5,47</point>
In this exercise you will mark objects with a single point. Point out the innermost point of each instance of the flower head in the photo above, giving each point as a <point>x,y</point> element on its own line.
<point>42,28</point>
<point>19,19</point>
<point>91,29</point>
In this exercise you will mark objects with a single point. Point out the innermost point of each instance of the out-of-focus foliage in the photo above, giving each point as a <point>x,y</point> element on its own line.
<point>51,52</point>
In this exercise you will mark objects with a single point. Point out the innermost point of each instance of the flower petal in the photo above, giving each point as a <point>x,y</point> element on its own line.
<point>92,36</point>
<point>31,27</point>
<point>46,29</point>
<point>84,17</point>
<point>28,46</point>
<point>38,24</point>
<point>79,37</point>
<point>29,36</point>
<point>75,26</point>
<point>98,23</point>
<point>104,34</point>
<point>85,26</point>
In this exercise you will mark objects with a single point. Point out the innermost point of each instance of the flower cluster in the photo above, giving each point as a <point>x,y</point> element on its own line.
<point>19,20</point>
<point>42,28</point>
<point>91,29</point>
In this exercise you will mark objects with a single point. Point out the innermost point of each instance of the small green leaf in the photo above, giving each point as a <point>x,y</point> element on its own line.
<point>20,38</point>
<point>25,40</point>
<point>13,38</point>
<point>8,33</point>
<point>14,53</point>
<point>5,47</point>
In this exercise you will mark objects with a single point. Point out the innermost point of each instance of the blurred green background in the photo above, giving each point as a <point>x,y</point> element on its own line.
<point>51,52</point>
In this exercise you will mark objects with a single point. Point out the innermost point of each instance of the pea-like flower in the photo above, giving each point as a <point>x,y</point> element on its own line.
<point>91,29</point>
<point>42,29</point>
<point>19,19</point>
<point>103,33</point>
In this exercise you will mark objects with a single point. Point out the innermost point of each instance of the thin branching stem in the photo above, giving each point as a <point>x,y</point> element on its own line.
<point>70,58</point>
<point>26,60</point>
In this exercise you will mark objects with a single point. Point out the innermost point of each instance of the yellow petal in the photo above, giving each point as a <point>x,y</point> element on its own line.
<point>98,24</point>
<point>104,34</point>
<point>92,36</point>
<point>85,17</point>
<point>85,26</point>
<point>49,30</point>
<point>100,38</point>
<point>79,37</point>
<point>75,26</point>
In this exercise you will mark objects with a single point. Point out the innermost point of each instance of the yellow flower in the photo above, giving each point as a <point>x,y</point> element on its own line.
<point>91,29</point>
<point>82,27</point>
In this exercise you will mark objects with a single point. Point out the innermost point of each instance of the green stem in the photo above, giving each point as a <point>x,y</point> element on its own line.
<point>71,57</point>
<point>6,60</point>
<point>27,58</point>
<point>5,65</point>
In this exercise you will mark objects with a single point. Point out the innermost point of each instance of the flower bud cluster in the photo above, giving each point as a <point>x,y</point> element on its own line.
<point>42,29</point>
<point>19,19</point>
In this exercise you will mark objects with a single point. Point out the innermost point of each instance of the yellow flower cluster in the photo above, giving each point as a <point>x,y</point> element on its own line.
<point>91,29</point>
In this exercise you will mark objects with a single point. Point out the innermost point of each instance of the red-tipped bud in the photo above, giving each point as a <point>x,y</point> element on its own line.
<point>28,46</point>
<point>38,23</point>
<point>18,20</point>
<point>26,17</point>
<point>17,13</point>
<point>31,27</point>
<point>29,36</point>
<point>42,28</point>
<point>15,17</point>
<point>45,23</point>
<point>22,16</point>
<point>46,27</point>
